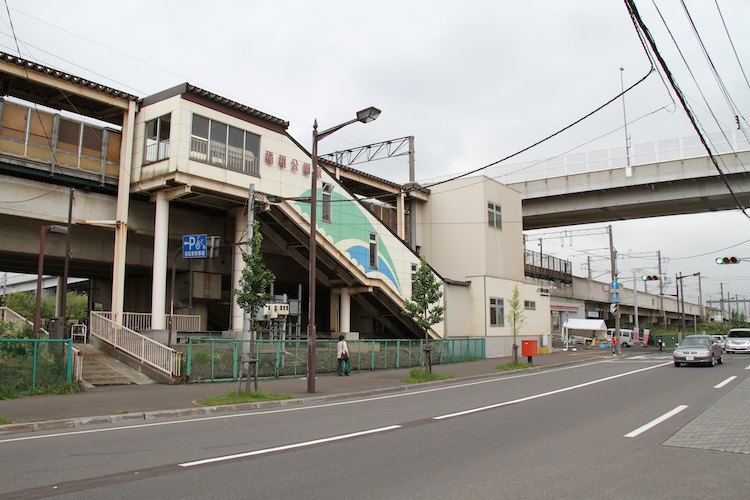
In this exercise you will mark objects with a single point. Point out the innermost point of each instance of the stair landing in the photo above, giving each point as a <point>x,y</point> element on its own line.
<point>101,369</point>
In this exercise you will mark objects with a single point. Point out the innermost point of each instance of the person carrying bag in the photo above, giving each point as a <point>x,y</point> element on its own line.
<point>342,356</point>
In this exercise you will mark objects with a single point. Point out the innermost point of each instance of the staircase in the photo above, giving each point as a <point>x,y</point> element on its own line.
<point>100,369</point>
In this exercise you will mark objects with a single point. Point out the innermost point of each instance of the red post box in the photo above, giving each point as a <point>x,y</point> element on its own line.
<point>529,348</point>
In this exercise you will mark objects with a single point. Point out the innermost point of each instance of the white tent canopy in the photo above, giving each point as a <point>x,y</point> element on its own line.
<point>591,326</point>
<point>585,324</point>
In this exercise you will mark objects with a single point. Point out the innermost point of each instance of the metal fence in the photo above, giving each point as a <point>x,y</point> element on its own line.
<point>30,364</point>
<point>218,360</point>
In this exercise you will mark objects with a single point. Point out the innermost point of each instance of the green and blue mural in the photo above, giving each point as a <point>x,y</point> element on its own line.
<point>350,230</point>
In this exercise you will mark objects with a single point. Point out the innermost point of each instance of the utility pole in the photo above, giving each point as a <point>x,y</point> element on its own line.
<point>700,297</point>
<point>635,302</point>
<point>628,168</point>
<point>661,290</point>
<point>721,301</point>
<point>613,267</point>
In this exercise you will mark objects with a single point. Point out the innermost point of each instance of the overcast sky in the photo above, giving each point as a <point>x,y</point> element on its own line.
<point>473,81</point>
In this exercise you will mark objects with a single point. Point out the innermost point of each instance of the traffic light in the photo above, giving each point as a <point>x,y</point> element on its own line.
<point>650,277</point>
<point>727,260</point>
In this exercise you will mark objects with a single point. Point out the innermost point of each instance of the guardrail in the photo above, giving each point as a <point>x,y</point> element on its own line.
<point>146,350</point>
<point>10,316</point>
<point>143,321</point>
<point>681,148</point>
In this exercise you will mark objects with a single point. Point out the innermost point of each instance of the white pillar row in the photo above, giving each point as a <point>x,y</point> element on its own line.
<point>334,309</point>
<point>121,217</point>
<point>161,242</point>
<point>238,264</point>
<point>345,308</point>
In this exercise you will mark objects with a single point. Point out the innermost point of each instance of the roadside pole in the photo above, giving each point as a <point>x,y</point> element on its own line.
<point>615,293</point>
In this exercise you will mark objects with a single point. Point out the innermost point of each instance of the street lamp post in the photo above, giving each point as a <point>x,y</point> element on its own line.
<point>40,271</point>
<point>364,116</point>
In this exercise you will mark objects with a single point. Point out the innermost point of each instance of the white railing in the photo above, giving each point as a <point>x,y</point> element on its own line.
<point>607,159</point>
<point>10,316</point>
<point>142,321</point>
<point>147,351</point>
<point>77,365</point>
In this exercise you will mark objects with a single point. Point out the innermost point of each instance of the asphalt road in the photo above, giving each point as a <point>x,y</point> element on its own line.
<point>558,433</point>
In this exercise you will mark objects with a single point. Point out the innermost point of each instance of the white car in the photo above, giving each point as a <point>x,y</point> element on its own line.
<point>626,336</point>
<point>738,340</point>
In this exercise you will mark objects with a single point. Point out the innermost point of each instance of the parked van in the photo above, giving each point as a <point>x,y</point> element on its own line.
<point>626,336</point>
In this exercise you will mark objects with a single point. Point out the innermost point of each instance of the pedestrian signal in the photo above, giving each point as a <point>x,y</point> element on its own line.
<point>650,277</point>
<point>727,260</point>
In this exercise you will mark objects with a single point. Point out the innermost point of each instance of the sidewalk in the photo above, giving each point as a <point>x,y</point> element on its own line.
<point>107,404</point>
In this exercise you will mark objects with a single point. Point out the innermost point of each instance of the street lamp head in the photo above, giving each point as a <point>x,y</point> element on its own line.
<point>54,228</point>
<point>368,115</point>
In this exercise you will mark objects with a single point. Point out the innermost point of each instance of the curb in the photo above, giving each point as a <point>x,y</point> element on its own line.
<point>72,423</point>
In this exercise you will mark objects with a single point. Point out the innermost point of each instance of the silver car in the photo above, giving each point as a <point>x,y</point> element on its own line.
<point>698,349</point>
<point>738,340</point>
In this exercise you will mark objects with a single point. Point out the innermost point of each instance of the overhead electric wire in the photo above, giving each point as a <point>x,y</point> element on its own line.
<point>739,62</point>
<point>639,24</point>
<point>734,109</point>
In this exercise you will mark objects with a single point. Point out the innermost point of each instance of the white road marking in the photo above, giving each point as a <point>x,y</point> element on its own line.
<point>275,449</point>
<point>299,408</point>
<point>655,422</point>
<point>725,382</point>
<point>544,394</point>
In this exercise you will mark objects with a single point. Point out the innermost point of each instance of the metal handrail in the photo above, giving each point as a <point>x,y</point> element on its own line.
<point>146,350</point>
<point>143,321</point>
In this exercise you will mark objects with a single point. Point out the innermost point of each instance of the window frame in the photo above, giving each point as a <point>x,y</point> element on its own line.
<point>326,205</point>
<point>497,305</point>
<point>373,251</point>
<point>156,139</point>
<point>529,305</point>
<point>494,215</point>
<point>223,153</point>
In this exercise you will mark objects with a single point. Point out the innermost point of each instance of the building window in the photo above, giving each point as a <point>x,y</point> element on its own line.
<point>494,215</point>
<point>325,212</point>
<point>530,305</point>
<point>373,251</point>
<point>224,146</point>
<point>497,312</point>
<point>157,139</point>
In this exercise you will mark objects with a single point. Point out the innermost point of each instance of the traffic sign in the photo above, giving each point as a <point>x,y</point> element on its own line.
<point>614,285</point>
<point>614,298</point>
<point>194,246</point>
<point>613,308</point>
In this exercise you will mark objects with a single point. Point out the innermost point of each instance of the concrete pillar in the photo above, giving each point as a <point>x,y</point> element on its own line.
<point>334,309</point>
<point>161,243</point>
<point>401,216</point>
<point>238,264</point>
<point>61,289</point>
<point>345,308</point>
<point>121,218</point>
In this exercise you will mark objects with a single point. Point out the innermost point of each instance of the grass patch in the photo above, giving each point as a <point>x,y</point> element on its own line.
<point>510,366</point>
<point>58,388</point>
<point>232,398</point>
<point>417,376</point>
<point>5,420</point>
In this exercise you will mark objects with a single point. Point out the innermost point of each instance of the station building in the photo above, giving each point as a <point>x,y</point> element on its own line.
<point>146,171</point>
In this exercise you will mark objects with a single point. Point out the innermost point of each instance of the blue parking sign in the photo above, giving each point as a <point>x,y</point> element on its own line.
<point>194,246</point>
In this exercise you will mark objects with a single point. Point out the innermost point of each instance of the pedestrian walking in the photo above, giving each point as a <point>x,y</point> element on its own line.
<point>342,356</point>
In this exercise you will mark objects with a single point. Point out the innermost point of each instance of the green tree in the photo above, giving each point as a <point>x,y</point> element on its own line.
<point>256,279</point>
<point>516,320</point>
<point>423,307</point>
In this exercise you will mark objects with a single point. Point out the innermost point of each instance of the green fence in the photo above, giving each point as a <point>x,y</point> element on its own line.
<point>30,364</point>
<point>214,360</point>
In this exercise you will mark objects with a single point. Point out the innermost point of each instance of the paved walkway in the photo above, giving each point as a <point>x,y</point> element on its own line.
<point>106,404</point>
<point>722,427</point>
